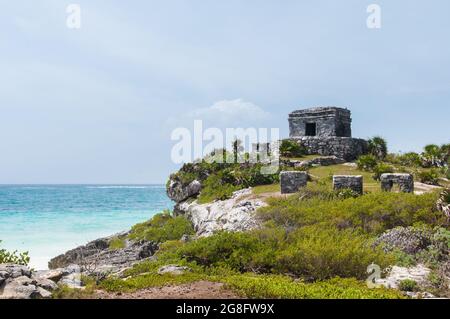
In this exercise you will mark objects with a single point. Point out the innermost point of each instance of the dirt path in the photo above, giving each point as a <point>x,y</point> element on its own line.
<point>195,290</point>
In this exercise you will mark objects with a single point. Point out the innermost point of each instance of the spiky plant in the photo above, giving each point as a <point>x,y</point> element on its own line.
<point>443,203</point>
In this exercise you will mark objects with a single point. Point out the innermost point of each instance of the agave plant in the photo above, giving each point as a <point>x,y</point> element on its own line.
<point>443,203</point>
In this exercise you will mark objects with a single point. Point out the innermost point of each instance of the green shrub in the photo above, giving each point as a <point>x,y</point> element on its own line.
<point>13,257</point>
<point>273,286</point>
<point>346,193</point>
<point>367,162</point>
<point>162,227</point>
<point>410,159</point>
<point>429,177</point>
<point>253,251</point>
<point>371,213</point>
<point>117,243</point>
<point>314,253</point>
<point>289,148</point>
<point>320,252</point>
<point>221,185</point>
<point>380,169</point>
<point>407,285</point>
<point>214,188</point>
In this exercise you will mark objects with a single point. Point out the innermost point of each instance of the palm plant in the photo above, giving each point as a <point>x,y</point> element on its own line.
<point>378,147</point>
<point>436,156</point>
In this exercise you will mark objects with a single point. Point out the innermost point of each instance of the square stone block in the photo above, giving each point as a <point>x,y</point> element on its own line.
<point>292,181</point>
<point>353,182</point>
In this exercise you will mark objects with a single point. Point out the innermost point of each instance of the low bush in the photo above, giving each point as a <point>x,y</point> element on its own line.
<point>380,169</point>
<point>253,251</point>
<point>408,285</point>
<point>429,177</point>
<point>319,252</point>
<point>162,227</point>
<point>367,162</point>
<point>372,213</point>
<point>273,286</point>
<point>117,243</point>
<point>14,257</point>
<point>312,253</point>
<point>290,148</point>
<point>410,159</point>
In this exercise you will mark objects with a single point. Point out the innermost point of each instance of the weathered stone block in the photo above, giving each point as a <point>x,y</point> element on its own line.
<point>355,183</point>
<point>405,182</point>
<point>292,181</point>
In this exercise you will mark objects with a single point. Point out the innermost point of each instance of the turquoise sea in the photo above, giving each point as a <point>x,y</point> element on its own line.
<point>47,220</point>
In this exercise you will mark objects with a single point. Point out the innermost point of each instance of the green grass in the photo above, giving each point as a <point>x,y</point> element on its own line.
<point>264,189</point>
<point>325,172</point>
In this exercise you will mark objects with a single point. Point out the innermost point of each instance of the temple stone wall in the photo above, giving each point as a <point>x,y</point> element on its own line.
<point>326,121</point>
<point>346,148</point>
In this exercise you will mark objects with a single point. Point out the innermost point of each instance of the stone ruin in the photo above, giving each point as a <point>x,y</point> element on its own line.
<point>404,181</point>
<point>326,131</point>
<point>321,122</point>
<point>355,183</point>
<point>292,181</point>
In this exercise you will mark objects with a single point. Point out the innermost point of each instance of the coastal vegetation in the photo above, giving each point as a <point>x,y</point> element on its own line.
<point>317,243</point>
<point>13,257</point>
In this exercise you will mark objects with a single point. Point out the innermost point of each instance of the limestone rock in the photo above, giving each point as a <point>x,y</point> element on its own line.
<point>15,271</point>
<point>18,282</point>
<point>397,274</point>
<point>53,274</point>
<point>410,240</point>
<point>96,256</point>
<point>14,290</point>
<point>179,192</point>
<point>44,294</point>
<point>71,281</point>
<point>173,270</point>
<point>46,284</point>
<point>234,214</point>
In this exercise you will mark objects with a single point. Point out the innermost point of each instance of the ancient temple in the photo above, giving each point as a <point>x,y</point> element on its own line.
<point>326,131</point>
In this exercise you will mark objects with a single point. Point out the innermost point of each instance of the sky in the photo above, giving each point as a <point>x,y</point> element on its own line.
<point>98,104</point>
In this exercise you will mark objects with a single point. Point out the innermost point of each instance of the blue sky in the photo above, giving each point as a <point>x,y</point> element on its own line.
<point>97,105</point>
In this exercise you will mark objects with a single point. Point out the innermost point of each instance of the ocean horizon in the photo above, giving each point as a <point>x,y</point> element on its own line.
<point>48,219</point>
